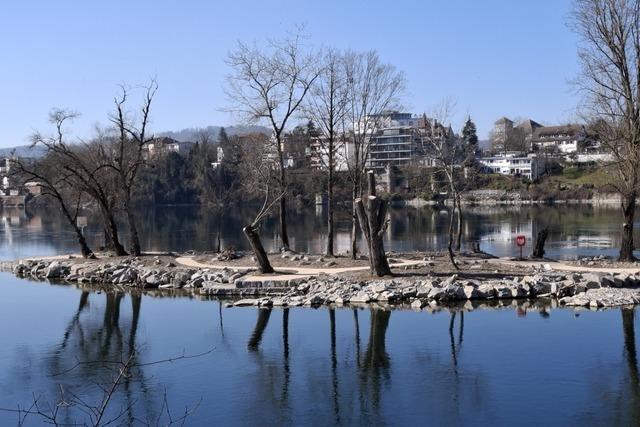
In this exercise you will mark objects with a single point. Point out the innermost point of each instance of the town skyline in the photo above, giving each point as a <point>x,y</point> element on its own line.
<point>189,59</point>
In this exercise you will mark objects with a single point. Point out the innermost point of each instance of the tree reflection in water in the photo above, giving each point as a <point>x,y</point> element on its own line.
<point>334,365</point>
<point>455,349</point>
<point>376,362</point>
<point>285,352</point>
<point>273,382</point>
<point>628,327</point>
<point>261,324</point>
<point>84,359</point>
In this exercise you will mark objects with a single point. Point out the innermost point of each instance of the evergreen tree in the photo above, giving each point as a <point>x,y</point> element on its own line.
<point>223,139</point>
<point>470,141</point>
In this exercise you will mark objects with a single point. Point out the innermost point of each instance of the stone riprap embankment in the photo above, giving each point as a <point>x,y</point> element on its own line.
<point>419,290</point>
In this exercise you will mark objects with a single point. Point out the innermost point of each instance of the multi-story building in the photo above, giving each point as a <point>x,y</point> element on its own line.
<point>525,166</point>
<point>164,145</point>
<point>394,146</point>
<point>406,140</point>
<point>526,130</point>
<point>502,130</point>
<point>559,139</point>
<point>318,153</point>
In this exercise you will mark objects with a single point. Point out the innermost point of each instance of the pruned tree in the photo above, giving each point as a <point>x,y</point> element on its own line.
<point>326,107</point>
<point>538,249</point>
<point>609,53</point>
<point>372,217</point>
<point>372,88</point>
<point>125,156</point>
<point>269,85</point>
<point>259,176</point>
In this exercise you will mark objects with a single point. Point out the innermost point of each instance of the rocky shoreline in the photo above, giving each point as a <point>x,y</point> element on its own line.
<point>418,289</point>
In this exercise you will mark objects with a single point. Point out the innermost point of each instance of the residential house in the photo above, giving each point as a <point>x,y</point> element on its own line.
<point>558,139</point>
<point>525,166</point>
<point>164,145</point>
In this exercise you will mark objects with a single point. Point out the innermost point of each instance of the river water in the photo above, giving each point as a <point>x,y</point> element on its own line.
<point>522,363</point>
<point>574,230</point>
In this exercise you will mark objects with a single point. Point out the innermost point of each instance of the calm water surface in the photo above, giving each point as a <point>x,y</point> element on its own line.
<point>574,230</point>
<point>517,364</point>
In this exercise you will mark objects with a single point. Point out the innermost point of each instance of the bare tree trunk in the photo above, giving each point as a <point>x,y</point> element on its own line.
<point>84,247</point>
<point>459,227</point>
<point>538,250</point>
<point>112,231</point>
<point>85,250</point>
<point>450,245</point>
<point>134,247</point>
<point>330,203</point>
<point>283,223</point>
<point>354,223</point>
<point>256,244</point>
<point>283,200</point>
<point>628,211</point>
<point>373,224</point>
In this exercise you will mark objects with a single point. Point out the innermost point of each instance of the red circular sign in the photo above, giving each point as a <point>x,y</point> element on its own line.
<point>521,240</point>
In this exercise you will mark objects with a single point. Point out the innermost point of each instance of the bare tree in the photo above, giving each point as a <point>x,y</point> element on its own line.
<point>372,88</point>
<point>447,155</point>
<point>83,169</point>
<point>125,157</point>
<point>259,176</point>
<point>270,85</point>
<point>609,53</point>
<point>53,183</point>
<point>326,107</point>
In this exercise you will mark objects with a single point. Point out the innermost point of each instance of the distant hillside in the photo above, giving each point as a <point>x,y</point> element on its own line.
<point>191,134</point>
<point>23,151</point>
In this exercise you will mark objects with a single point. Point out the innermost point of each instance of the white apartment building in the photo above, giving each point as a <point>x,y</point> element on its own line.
<point>529,166</point>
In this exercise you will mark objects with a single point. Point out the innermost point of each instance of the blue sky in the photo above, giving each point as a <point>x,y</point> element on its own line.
<point>493,57</point>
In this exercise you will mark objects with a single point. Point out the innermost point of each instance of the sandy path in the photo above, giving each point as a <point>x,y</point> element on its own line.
<point>290,272</point>
<point>561,266</point>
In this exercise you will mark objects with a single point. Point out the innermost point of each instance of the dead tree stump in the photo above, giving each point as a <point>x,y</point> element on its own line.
<point>256,244</point>
<point>373,223</point>
<point>538,249</point>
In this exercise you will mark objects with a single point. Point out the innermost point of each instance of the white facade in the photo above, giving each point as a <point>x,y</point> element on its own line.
<point>560,139</point>
<point>511,164</point>
<point>565,146</point>
<point>590,157</point>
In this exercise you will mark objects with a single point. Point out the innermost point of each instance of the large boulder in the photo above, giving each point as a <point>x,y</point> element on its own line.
<point>486,290</point>
<point>360,297</point>
<point>418,303</point>
<point>152,281</point>
<point>55,270</point>
<point>470,292</point>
